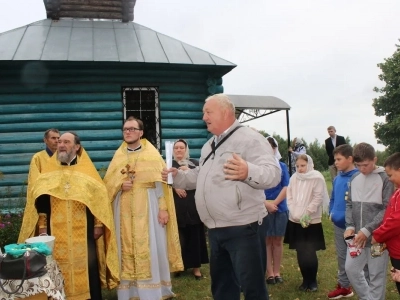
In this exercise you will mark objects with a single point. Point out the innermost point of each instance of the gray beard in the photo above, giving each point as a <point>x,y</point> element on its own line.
<point>64,157</point>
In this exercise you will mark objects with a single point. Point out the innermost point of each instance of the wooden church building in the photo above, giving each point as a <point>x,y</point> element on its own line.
<point>88,67</point>
<point>75,72</point>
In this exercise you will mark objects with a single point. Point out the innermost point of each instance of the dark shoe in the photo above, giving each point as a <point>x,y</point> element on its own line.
<point>278,279</point>
<point>313,287</point>
<point>271,280</point>
<point>303,287</point>
<point>198,277</point>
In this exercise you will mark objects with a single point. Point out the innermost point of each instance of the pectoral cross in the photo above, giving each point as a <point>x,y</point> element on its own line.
<point>130,173</point>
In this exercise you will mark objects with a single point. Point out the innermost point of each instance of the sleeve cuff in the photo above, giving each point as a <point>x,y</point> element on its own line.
<point>366,232</point>
<point>162,204</point>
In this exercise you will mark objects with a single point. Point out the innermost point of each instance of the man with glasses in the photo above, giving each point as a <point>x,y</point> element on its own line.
<point>144,216</point>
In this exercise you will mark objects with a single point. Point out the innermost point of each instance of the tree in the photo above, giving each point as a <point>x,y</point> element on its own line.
<point>318,154</point>
<point>388,103</point>
<point>282,145</point>
<point>381,156</point>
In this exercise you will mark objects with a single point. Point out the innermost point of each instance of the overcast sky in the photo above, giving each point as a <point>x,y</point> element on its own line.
<point>319,56</point>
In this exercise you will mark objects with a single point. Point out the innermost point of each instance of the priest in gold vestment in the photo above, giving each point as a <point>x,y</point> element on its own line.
<point>69,200</point>
<point>144,216</point>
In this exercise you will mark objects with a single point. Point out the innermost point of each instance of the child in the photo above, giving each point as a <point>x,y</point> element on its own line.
<point>389,230</point>
<point>343,155</point>
<point>369,194</point>
<point>276,220</point>
<point>304,233</point>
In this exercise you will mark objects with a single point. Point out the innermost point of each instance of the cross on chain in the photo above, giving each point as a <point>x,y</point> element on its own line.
<point>130,173</point>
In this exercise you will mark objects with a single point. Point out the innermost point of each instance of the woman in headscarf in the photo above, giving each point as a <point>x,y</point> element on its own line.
<point>276,220</point>
<point>297,149</point>
<point>191,229</point>
<point>305,194</point>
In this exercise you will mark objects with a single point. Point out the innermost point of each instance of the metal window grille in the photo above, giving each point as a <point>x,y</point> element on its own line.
<point>143,103</point>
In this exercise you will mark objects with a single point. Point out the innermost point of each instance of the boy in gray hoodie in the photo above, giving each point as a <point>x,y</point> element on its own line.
<point>369,194</point>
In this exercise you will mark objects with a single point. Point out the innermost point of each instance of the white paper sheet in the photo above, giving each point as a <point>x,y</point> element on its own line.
<point>168,158</point>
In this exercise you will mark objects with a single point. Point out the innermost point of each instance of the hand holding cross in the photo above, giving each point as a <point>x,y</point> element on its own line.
<point>130,173</point>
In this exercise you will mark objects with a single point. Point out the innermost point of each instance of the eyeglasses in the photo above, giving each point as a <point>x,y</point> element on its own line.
<point>132,129</point>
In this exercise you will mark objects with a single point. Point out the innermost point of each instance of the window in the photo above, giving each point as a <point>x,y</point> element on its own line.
<point>143,103</point>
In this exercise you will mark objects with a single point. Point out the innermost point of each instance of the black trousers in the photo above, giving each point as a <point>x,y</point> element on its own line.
<point>262,231</point>
<point>396,265</point>
<point>236,264</point>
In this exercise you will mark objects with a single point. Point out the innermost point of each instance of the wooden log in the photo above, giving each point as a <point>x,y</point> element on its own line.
<point>91,8</point>
<point>188,133</point>
<point>80,125</point>
<point>62,107</point>
<point>91,15</point>
<point>8,120</point>
<point>117,3</point>
<point>85,135</point>
<point>35,147</point>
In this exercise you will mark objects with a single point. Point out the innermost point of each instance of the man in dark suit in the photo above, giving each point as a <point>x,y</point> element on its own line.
<point>331,143</point>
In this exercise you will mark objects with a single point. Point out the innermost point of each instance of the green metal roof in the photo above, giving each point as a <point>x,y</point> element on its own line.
<point>87,40</point>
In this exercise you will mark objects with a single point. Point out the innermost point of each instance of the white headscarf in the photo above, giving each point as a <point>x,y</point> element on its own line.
<point>277,154</point>
<point>313,174</point>
<point>185,160</point>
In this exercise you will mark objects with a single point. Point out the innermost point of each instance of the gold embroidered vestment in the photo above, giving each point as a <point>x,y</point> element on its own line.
<point>71,190</point>
<point>147,165</point>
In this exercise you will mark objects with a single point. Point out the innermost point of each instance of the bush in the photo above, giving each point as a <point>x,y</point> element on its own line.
<point>10,225</point>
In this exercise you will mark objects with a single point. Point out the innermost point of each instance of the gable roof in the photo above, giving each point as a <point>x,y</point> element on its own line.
<point>258,102</point>
<point>250,107</point>
<point>113,41</point>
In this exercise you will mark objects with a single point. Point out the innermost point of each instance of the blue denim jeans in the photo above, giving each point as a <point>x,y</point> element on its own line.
<point>236,264</point>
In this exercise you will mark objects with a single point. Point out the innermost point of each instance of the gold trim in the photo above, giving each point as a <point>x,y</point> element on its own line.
<point>163,297</point>
<point>144,285</point>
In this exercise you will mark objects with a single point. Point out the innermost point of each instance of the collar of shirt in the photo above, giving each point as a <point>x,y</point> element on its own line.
<point>136,149</point>
<point>333,141</point>
<point>49,152</point>
<point>218,138</point>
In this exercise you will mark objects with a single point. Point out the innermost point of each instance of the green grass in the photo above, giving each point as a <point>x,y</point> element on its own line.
<point>328,181</point>
<point>187,288</point>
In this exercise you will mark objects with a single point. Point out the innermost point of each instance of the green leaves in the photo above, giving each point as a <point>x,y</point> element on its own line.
<point>10,224</point>
<point>387,105</point>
